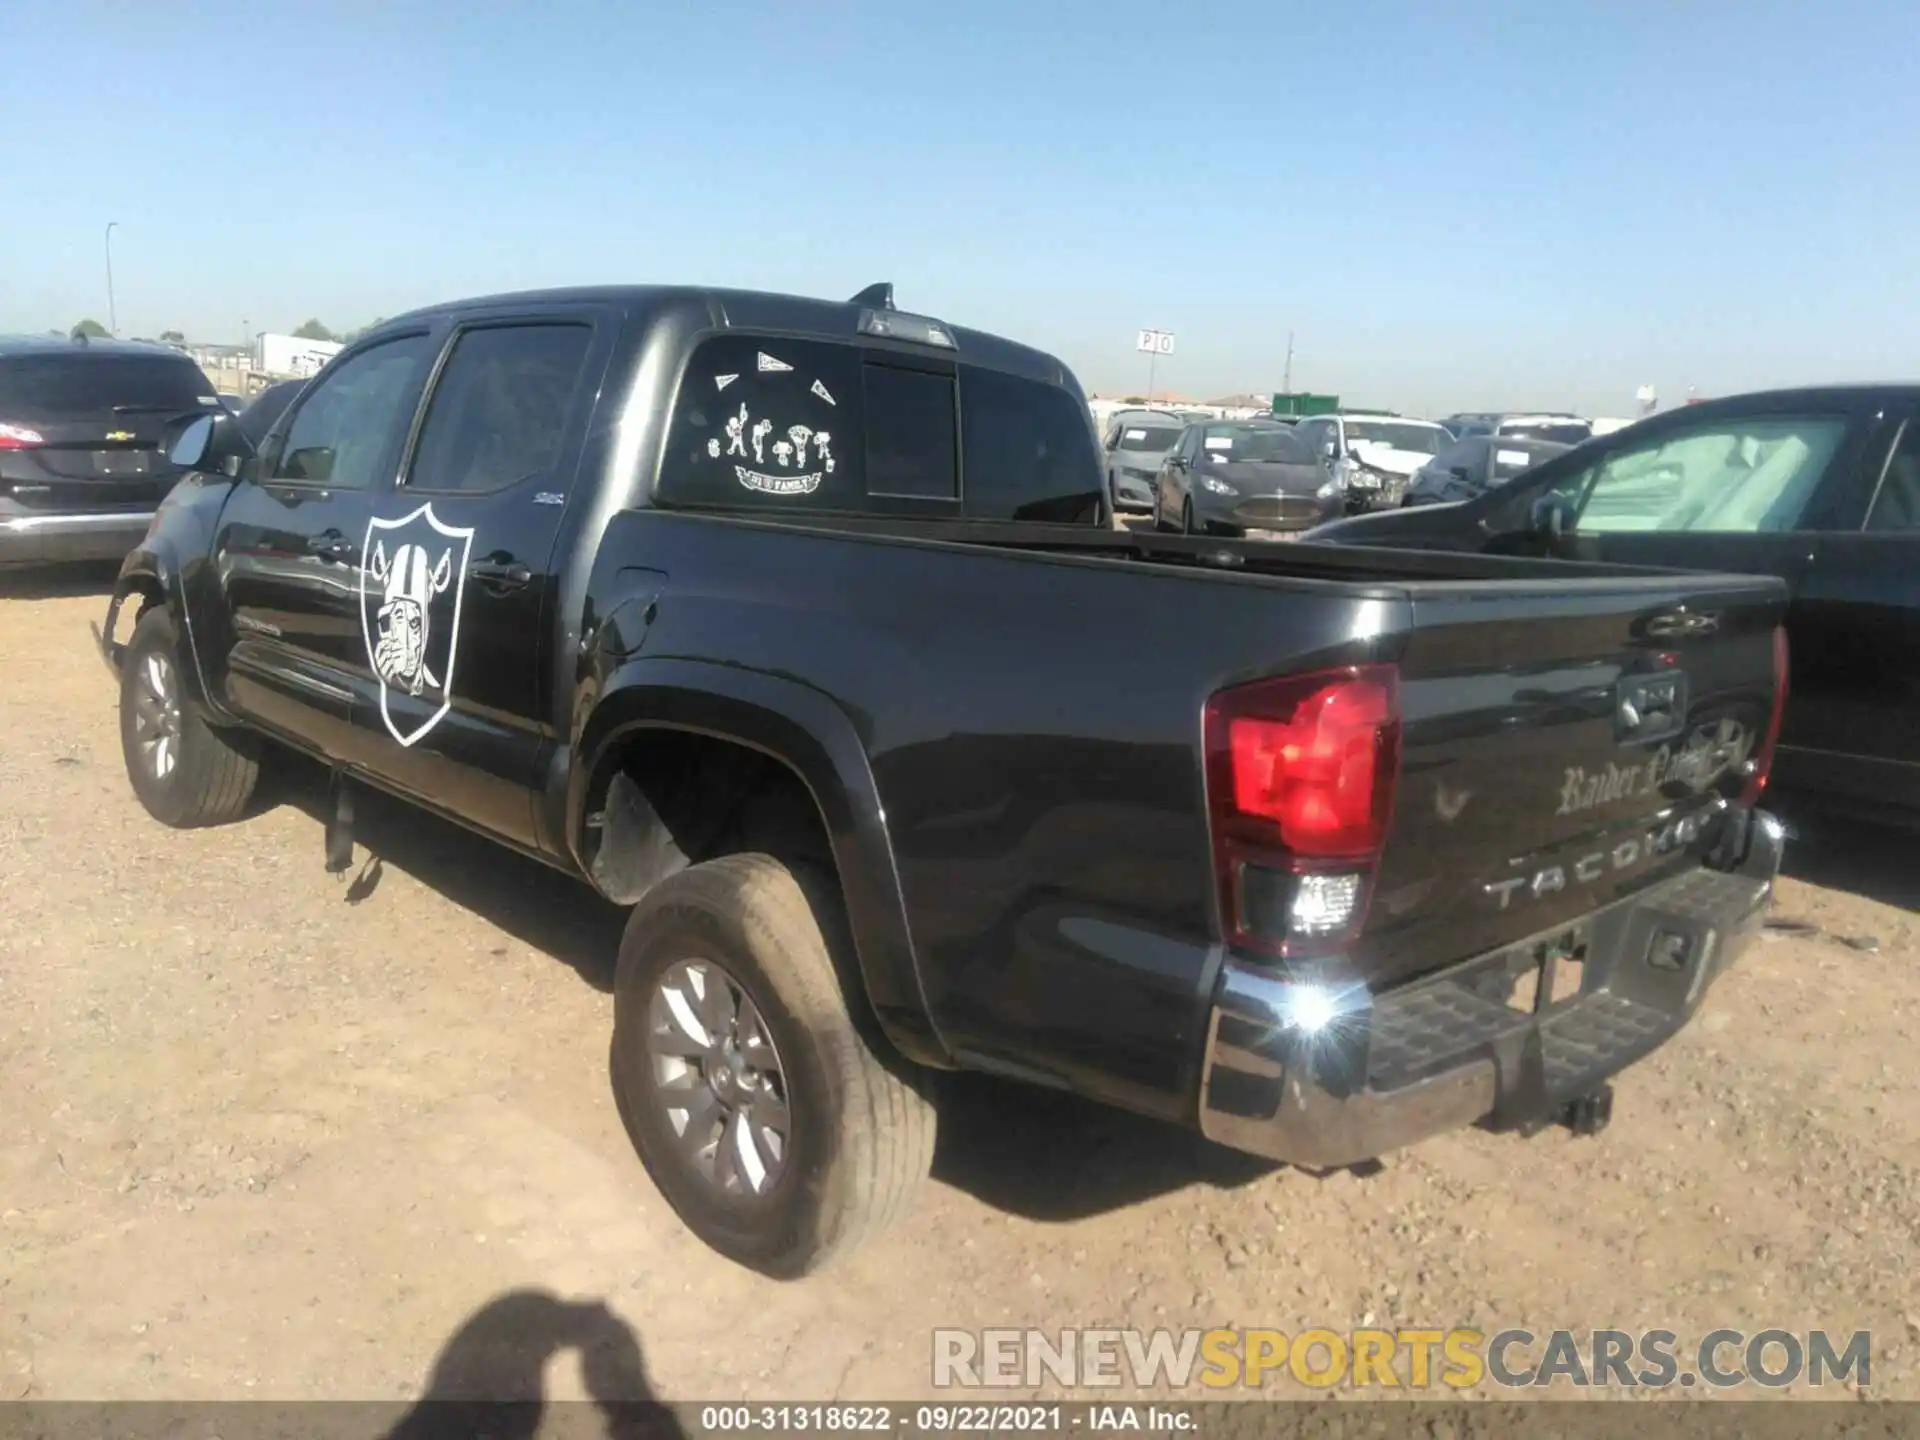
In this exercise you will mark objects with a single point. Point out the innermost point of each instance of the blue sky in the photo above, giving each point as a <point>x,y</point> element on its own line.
<point>1453,206</point>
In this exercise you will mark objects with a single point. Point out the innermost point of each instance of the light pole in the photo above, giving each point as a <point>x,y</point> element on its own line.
<point>113,320</point>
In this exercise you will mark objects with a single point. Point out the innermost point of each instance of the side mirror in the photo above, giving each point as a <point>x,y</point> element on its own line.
<point>205,442</point>
<point>188,441</point>
<point>1551,517</point>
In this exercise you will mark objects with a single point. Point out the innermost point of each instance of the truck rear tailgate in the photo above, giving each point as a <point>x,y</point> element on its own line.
<point>1564,744</point>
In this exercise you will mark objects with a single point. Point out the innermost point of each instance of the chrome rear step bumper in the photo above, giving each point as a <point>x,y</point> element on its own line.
<point>1449,1050</point>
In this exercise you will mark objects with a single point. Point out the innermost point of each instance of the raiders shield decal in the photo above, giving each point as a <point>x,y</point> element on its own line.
<point>413,573</point>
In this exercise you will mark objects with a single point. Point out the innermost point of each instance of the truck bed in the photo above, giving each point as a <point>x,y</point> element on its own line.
<point>1345,565</point>
<point>1030,699</point>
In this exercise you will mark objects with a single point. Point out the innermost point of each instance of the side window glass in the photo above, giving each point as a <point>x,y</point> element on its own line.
<point>910,433</point>
<point>1029,451</point>
<point>351,418</point>
<point>764,422</point>
<point>1740,476</point>
<point>1897,506</point>
<point>499,410</point>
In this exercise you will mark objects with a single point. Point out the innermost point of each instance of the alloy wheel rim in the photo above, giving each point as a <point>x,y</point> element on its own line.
<point>718,1078</point>
<point>156,715</point>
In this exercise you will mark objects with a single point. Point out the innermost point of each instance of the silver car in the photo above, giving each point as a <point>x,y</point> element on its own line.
<point>1136,442</point>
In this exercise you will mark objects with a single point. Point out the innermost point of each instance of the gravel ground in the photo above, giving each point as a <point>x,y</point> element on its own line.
<point>264,1134</point>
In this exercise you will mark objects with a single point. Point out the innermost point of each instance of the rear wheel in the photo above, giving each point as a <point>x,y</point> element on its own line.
<point>185,772</point>
<point>766,1118</point>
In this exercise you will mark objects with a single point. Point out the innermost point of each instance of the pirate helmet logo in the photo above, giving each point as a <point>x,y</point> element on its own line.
<point>410,602</point>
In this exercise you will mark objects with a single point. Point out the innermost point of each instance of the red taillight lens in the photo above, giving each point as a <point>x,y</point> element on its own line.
<point>1763,753</point>
<point>19,437</point>
<point>1316,773</point>
<point>1300,777</point>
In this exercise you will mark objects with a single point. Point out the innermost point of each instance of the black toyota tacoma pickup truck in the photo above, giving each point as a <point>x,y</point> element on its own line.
<point>801,628</point>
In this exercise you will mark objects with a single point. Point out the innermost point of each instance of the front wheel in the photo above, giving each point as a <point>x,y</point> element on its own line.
<point>767,1119</point>
<point>185,772</point>
<point>1186,516</point>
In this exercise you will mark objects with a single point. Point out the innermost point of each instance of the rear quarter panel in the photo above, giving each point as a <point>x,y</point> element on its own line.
<point>1035,760</point>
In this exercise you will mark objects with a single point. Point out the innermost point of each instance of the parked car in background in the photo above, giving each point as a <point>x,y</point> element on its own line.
<point>1373,456</point>
<point>1244,477</point>
<point>1469,422</point>
<point>81,469</point>
<point>1136,441</point>
<point>1818,486</point>
<point>1562,429</point>
<point>1475,465</point>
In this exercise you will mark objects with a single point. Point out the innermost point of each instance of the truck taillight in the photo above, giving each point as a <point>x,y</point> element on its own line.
<point>19,437</point>
<point>1300,777</point>
<point>1761,767</point>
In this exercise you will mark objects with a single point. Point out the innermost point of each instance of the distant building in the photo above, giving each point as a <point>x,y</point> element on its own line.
<point>290,356</point>
<point>218,357</point>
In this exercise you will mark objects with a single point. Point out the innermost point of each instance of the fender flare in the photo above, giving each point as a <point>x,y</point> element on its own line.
<point>149,572</point>
<point>803,729</point>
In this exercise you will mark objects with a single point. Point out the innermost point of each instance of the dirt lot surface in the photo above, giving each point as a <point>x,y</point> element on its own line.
<point>263,1134</point>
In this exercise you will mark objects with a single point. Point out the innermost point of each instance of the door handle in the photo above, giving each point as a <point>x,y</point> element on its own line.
<point>332,545</point>
<point>500,572</point>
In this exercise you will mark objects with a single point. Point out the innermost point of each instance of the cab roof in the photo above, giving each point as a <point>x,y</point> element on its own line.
<point>766,310</point>
<point>12,346</point>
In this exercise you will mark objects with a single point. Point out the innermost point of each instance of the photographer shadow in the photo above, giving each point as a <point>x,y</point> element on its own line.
<point>490,1378</point>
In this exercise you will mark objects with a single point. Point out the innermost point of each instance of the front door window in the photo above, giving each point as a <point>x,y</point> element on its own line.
<point>1752,475</point>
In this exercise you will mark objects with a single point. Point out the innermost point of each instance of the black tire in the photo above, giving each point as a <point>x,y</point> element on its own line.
<point>861,1136</point>
<point>209,777</point>
<point>1186,517</point>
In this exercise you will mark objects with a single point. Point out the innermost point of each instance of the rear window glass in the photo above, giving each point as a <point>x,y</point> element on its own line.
<point>1568,432</point>
<point>765,422</point>
<point>910,433</point>
<point>1151,438</point>
<point>1510,460</point>
<point>54,387</point>
<point>1397,435</point>
<point>1029,451</point>
<point>798,425</point>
